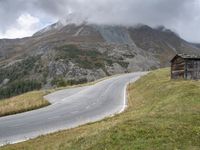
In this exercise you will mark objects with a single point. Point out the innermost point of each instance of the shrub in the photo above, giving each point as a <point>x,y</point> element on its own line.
<point>19,87</point>
<point>61,82</point>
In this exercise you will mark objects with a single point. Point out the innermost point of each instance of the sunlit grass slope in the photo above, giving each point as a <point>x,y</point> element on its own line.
<point>22,103</point>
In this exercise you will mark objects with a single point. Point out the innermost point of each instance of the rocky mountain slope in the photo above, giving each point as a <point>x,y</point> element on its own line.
<point>74,53</point>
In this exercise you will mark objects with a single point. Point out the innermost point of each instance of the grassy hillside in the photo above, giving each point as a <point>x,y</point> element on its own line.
<point>22,103</point>
<point>162,114</point>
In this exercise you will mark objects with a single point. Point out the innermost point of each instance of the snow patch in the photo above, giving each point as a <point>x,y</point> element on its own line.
<point>79,31</point>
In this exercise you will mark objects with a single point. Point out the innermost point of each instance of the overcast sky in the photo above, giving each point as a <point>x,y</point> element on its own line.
<point>20,18</point>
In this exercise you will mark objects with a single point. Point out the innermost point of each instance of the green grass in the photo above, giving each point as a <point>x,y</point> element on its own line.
<point>162,114</point>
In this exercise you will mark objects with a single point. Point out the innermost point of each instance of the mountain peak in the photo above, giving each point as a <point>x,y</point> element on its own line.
<point>73,18</point>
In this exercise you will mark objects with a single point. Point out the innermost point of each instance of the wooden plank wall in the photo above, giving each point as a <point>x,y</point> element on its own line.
<point>178,68</point>
<point>192,69</point>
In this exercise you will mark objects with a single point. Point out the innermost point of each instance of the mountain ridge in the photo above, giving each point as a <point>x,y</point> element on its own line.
<point>76,53</point>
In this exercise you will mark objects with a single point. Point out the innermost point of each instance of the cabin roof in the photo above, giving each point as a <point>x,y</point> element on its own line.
<point>187,56</point>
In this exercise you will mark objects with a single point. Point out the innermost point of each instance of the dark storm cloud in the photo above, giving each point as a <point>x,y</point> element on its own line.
<point>119,11</point>
<point>175,14</point>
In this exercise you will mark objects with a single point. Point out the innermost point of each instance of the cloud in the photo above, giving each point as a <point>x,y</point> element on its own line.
<point>179,15</point>
<point>26,25</point>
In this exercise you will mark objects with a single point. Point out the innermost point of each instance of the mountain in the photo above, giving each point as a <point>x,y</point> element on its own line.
<point>72,53</point>
<point>197,45</point>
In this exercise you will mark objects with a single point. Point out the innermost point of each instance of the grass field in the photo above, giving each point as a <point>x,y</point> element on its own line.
<point>162,115</point>
<point>22,103</point>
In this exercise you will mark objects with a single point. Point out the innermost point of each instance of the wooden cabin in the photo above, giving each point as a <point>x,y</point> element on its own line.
<point>185,67</point>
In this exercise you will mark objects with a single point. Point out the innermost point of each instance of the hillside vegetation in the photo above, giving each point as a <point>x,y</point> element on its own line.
<point>74,54</point>
<point>162,114</point>
<point>15,80</point>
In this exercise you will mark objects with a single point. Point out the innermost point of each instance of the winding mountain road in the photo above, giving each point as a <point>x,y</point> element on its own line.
<point>70,108</point>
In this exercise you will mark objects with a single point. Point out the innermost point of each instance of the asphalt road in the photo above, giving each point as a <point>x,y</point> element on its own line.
<point>70,108</point>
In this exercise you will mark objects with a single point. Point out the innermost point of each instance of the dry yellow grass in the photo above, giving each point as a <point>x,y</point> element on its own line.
<point>22,103</point>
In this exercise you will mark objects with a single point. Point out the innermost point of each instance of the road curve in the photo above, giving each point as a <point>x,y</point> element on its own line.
<point>70,108</point>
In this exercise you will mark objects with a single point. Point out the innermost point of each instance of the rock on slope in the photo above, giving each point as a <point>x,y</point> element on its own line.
<point>74,53</point>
